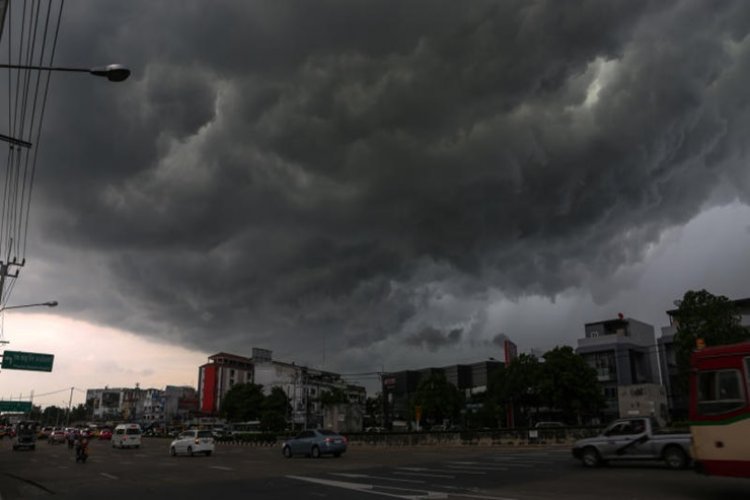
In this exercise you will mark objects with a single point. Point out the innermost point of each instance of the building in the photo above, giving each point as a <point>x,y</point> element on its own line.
<point>623,352</point>
<point>303,386</point>
<point>146,406</point>
<point>106,404</point>
<point>180,403</point>
<point>220,374</point>
<point>677,401</point>
<point>643,400</point>
<point>399,387</point>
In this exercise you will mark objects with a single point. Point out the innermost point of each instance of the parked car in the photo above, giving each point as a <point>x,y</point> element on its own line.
<point>315,443</point>
<point>634,439</point>
<point>57,436</point>
<point>192,442</point>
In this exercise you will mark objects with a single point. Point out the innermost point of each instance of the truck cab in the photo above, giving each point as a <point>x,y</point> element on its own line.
<point>634,439</point>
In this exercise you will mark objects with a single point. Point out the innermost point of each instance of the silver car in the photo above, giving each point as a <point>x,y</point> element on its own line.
<point>314,443</point>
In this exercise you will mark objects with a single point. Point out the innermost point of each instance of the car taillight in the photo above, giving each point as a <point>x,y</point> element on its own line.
<point>328,440</point>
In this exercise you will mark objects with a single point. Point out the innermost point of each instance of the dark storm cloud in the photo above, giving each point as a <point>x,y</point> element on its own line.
<point>276,173</point>
<point>432,339</point>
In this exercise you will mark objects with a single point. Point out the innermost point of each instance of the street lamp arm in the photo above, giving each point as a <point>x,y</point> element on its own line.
<point>51,303</point>
<point>113,72</point>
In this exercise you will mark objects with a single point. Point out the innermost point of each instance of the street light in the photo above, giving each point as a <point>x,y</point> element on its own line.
<point>51,303</point>
<point>113,72</point>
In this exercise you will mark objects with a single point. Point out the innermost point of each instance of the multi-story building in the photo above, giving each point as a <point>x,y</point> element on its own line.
<point>623,352</point>
<point>399,387</point>
<point>303,386</point>
<point>146,406</point>
<point>180,402</point>
<point>677,400</point>
<point>220,374</point>
<point>150,407</point>
<point>105,403</point>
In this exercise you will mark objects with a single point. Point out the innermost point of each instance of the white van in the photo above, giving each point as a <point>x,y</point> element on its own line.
<point>126,436</point>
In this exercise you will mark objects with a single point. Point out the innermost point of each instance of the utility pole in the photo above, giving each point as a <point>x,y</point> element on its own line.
<point>70,402</point>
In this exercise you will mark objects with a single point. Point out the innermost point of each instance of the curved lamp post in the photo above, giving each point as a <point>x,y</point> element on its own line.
<point>51,303</point>
<point>113,72</point>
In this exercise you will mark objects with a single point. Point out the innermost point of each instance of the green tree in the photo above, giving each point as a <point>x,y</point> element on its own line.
<point>243,402</point>
<point>79,413</point>
<point>702,315</point>
<point>35,413</point>
<point>439,399</point>
<point>569,384</point>
<point>521,385</point>
<point>276,409</point>
<point>334,396</point>
<point>374,410</point>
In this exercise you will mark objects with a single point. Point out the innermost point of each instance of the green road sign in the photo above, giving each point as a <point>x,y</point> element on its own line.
<point>17,360</point>
<point>24,406</point>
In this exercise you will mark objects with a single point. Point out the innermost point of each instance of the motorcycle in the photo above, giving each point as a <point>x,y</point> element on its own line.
<point>82,451</point>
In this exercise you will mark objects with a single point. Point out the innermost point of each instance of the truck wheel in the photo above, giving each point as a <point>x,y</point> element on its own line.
<point>675,458</point>
<point>591,457</point>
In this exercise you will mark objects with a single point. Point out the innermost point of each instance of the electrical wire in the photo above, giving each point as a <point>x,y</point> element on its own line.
<point>28,91</point>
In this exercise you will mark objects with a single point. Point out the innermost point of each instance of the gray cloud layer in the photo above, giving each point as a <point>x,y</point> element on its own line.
<point>277,173</point>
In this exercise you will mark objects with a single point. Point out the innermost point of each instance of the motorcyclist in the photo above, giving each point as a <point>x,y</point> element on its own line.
<point>71,438</point>
<point>82,448</point>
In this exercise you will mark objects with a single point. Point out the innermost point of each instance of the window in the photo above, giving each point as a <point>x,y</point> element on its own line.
<point>720,391</point>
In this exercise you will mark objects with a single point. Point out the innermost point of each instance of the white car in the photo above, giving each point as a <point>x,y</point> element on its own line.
<point>192,442</point>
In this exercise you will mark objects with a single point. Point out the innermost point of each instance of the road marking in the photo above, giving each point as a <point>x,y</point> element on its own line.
<point>219,467</point>
<point>365,476</point>
<point>419,474</point>
<point>109,476</point>
<point>477,467</point>
<point>393,492</point>
<point>439,471</point>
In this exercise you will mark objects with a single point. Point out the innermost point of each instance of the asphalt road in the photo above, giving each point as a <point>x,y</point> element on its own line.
<point>408,473</point>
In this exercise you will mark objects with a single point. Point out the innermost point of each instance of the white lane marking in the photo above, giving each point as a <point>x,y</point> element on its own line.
<point>439,471</point>
<point>407,494</point>
<point>219,467</point>
<point>420,474</point>
<point>109,476</point>
<point>365,476</point>
<point>475,467</point>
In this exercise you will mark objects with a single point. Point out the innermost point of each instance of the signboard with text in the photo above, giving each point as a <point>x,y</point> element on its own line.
<point>34,361</point>
<point>15,406</point>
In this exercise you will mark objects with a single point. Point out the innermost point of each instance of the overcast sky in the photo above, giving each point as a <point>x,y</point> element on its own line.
<point>367,185</point>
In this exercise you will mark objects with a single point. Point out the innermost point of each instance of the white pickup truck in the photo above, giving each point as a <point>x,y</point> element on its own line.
<point>634,439</point>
